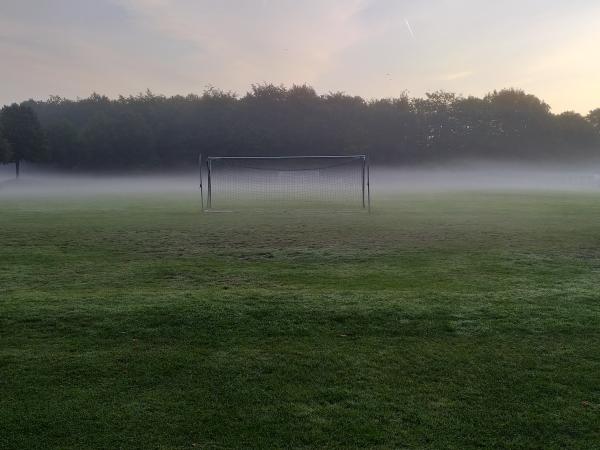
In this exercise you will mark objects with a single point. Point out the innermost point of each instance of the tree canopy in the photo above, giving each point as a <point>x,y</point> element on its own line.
<point>5,152</point>
<point>594,118</point>
<point>154,131</point>
<point>22,133</point>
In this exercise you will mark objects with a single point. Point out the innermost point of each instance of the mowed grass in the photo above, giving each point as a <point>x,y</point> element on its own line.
<point>442,320</point>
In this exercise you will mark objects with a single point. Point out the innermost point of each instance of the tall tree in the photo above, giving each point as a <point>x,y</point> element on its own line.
<point>594,118</point>
<point>520,124</point>
<point>23,132</point>
<point>5,152</point>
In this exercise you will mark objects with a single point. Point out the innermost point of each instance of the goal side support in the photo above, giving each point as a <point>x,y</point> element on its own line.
<point>200,176</point>
<point>208,168</point>
<point>368,186</point>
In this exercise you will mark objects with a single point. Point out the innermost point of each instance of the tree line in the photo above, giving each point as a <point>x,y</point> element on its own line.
<point>149,131</point>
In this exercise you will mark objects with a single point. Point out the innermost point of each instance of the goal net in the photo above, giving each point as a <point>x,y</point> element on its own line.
<point>287,181</point>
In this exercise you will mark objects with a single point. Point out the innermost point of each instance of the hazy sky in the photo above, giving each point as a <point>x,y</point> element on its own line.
<point>373,48</point>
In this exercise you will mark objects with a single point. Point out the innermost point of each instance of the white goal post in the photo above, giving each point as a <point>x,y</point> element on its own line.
<point>236,181</point>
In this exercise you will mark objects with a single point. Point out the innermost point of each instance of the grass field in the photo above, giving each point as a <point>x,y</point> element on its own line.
<point>443,320</point>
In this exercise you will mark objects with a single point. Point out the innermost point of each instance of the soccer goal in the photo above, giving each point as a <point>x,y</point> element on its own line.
<point>287,181</point>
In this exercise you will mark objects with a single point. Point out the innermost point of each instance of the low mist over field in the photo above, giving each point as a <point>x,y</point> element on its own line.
<point>384,180</point>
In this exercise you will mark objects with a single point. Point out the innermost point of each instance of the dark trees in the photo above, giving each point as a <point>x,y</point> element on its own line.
<point>154,131</point>
<point>121,140</point>
<point>5,151</point>
<point>23,132</point>
<point>576,135</point>
<point>594,118</point>
<point>64,145</point>
<point>519,124</point>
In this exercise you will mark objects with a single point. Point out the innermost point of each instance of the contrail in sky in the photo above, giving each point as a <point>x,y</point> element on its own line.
<point>409,28</point>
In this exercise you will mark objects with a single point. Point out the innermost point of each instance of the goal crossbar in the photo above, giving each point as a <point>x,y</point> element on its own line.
<point>212,158</point>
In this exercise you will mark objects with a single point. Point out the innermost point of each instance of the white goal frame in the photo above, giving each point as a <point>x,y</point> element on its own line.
<point>365,188</point>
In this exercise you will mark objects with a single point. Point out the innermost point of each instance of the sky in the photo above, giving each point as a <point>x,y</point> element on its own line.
<point>372,48</point>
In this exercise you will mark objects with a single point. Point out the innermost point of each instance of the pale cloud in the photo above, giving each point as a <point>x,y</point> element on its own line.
<point>283,41</point>
<point>455,75</point>
<point>364,47</point>
<point>570,71</point>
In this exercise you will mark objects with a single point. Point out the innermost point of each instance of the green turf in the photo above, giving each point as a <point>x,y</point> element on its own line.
<point>454,320</point>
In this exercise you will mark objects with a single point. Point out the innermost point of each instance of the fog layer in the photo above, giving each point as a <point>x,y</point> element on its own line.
<point>37,182</point>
